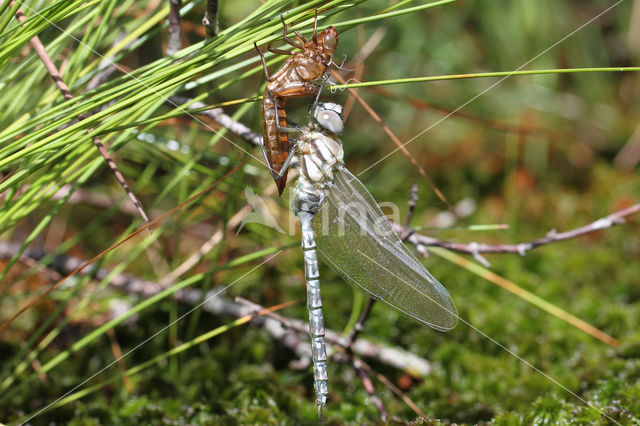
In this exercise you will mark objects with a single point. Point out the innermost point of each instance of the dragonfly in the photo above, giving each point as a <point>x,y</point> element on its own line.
<point>343,225</point>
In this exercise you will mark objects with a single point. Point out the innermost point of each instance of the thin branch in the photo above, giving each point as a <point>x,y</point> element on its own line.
<point>174,41</point>
<point>278,327</point>
<point>394,389</point>
<point>359,325</point>
<point>368,386</point>
<point>218,115</point>
<point>210,19</point>
<point>413,202</point>
<point>609,221</point>
<point>64,89</point>
<point>396,358</point>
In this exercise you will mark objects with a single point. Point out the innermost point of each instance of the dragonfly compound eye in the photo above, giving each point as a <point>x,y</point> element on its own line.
<point>330,40</point>
<point>330,120</point>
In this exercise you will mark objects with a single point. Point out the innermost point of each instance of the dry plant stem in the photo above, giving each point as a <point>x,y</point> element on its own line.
<point>57,78</point>
<point>396,358</point>
<point>223,119</point>
<point>278,327</point>
<point>371,390</point>
<point>491,123</point>
<point>210,20</point>
<point>117,354</point>
<point>413,202</point>
<point>174,40</point>
<point>358,60</point>
<point>359,325</point>
<point>395,140</point>
<point>394,389</point>
<point>609,221</point>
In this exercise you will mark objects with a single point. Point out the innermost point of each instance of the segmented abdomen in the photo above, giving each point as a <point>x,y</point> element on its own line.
<point>276,143</point>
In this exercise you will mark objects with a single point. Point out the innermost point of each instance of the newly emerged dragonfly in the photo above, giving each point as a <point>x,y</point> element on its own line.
<point>342,223</point>
<point>296,79</point>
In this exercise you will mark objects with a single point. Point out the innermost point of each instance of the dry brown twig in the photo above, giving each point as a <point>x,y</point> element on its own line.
<point>475,249</point>
<point>368,386</point>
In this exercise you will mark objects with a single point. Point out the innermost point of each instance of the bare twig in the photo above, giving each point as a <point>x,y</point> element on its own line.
<point>210,20</point>
<point>359,326</point>
<point>218,115</point>
<point>174,41</point>
<point>609,221</point>
<point>368,386</point>
<point>64,89</point>
<point>278,327</point>
<point>384,354</point>
<point>413,202</point>
<point>394,389</point>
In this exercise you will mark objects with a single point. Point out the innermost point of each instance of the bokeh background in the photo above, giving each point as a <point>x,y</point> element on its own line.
<point>536,153</point>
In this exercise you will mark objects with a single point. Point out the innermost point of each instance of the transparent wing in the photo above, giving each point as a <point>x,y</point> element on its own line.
<point>356,240</point>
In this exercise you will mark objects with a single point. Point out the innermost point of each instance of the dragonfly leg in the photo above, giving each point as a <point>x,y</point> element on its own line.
<point>296,127</point>
<point>286,163</point>
<point>264,63</point>
<point>279,51</point>
<point>300,37</point>
<point>314,104</point>
<point>315,27</point>
<point>284,35</point>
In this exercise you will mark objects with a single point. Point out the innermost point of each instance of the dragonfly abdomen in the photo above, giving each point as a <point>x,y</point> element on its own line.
<point>276,144</point>
<point>314,305</point>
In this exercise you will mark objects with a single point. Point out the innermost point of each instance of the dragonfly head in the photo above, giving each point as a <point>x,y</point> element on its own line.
<point>327,41</point>
<point>329,117</point>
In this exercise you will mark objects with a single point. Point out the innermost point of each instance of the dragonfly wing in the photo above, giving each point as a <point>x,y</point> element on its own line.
<point>356,240</point>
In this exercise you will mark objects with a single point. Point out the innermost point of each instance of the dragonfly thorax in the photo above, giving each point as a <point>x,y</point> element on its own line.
<point>319,154</point>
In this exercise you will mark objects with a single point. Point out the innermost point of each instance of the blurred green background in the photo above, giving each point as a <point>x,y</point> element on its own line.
<point>537,153</point>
